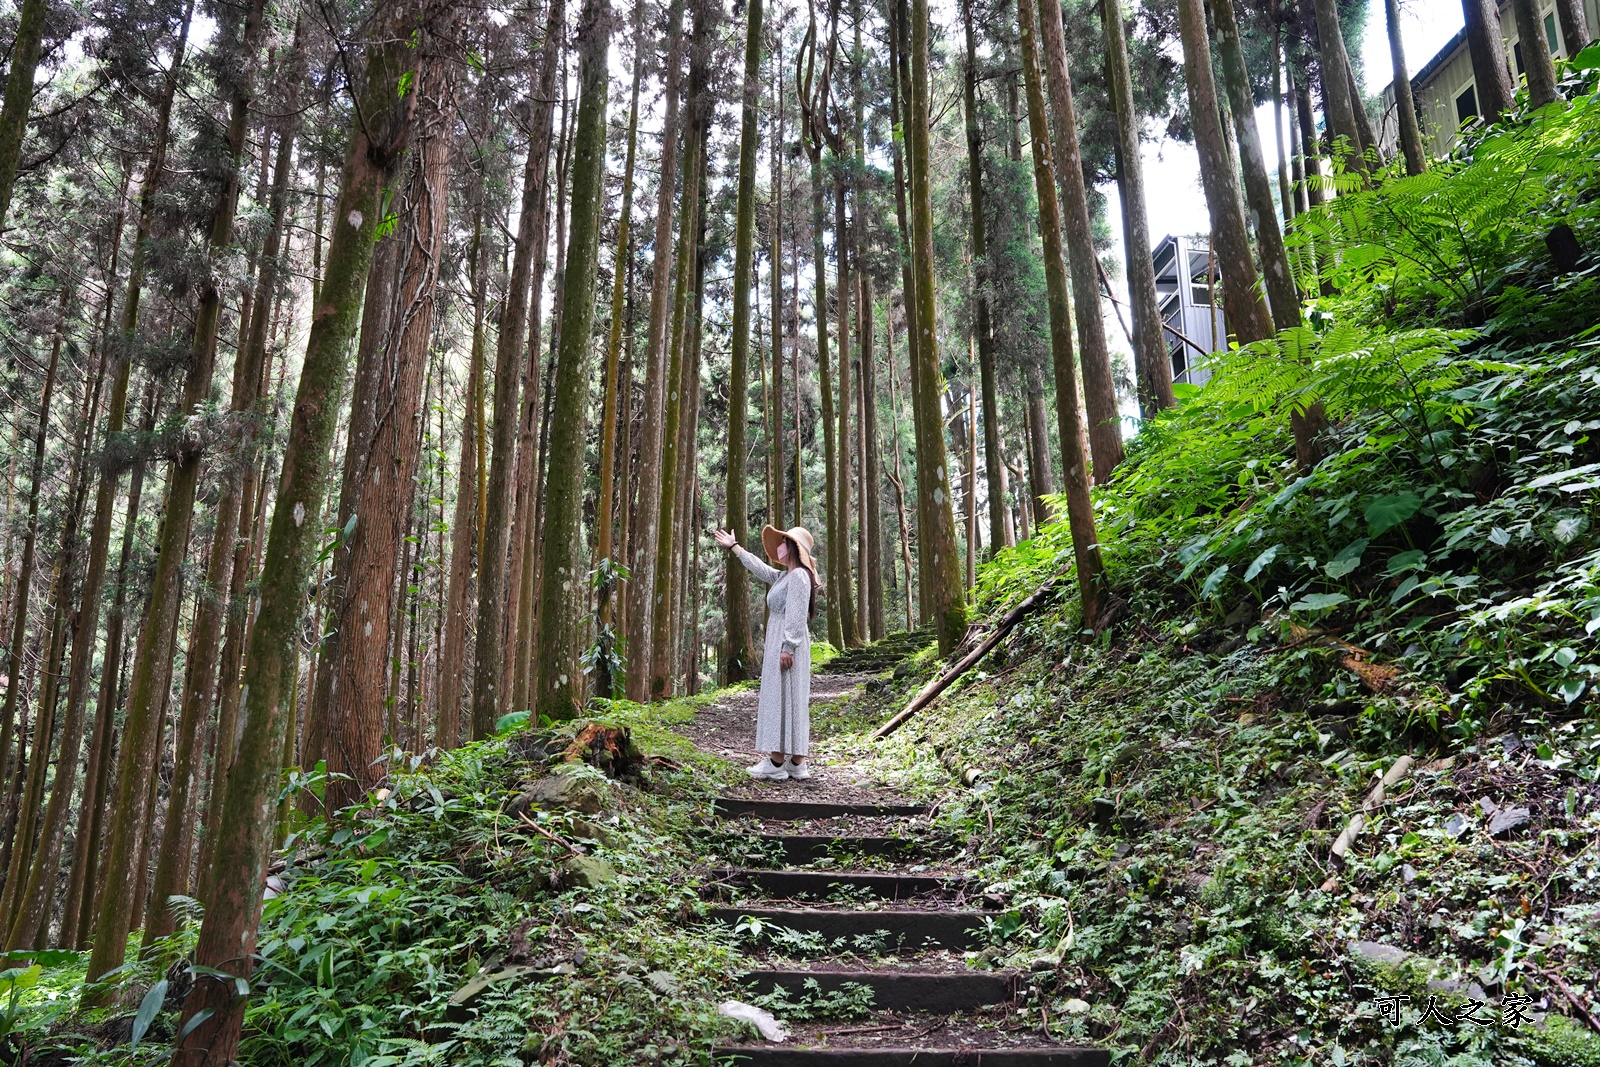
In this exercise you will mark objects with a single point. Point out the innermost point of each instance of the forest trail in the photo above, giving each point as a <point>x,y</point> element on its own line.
<point>845,889</point>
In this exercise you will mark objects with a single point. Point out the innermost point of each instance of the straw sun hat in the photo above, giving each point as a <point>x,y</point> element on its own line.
<point>799,535</point>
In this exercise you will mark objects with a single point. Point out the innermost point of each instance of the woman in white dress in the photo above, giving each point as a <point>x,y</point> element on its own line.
<point>783,724</point>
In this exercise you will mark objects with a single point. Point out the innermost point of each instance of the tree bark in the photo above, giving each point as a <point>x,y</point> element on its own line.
<point>938,537</point>
<point>840,548</point>
<point>652,435</point>
<point>813,99</point>
<point>616,387</point>
<point>560,693</point>
<point>1080,509</point>
<point>1285,186</point>
<point>31,18</point>
<point>872,505</point>
<point>1405,105</point>
<point>1488,51</point>
<point>489,666</point>
<point>1282,296</point>
<point>1574,26</point>
<point>1094,355</point>
<point>117,904</point>
<point>738,659</point>
<point>386,468</point>
<point>775,398</point>
<point>1151,365</point>
<point>695,127</point>
<point>212,1012</point>
<point>1537,65</point>
<point>1244,304</point>
<point>463,526</point>
<point>1338,106</point>
<point>982,324</point>
<point>1312,187</point>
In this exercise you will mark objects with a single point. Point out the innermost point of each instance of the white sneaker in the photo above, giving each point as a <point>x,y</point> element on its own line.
<point>797,770</point>
<point>765,768</point>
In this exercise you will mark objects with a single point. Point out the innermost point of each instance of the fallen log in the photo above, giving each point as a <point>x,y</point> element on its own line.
<point>931,691</point>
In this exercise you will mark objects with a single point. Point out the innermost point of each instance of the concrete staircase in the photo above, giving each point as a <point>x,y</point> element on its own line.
<point>928,1007</point>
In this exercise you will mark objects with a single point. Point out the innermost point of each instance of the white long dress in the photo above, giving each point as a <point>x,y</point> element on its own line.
<point>783,723</point>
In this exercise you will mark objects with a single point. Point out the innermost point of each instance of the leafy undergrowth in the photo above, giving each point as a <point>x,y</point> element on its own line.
<point>1160,796</point>
<point>384,914</point>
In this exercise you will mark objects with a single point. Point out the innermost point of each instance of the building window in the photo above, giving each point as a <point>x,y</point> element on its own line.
<point>1550,33</point>
<point>1516,52</point>
<point>1466,105</point>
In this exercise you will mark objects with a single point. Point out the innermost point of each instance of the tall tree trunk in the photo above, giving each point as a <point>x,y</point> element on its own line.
<point>738,661</point>
<point>19,621</point>
<point>1297,171</point>
<point>1094,355</point>
<point>775,398</point>
<point>560,693</point>
<point>1338,106</point>
<point>846,602</point>
<point>463,527</point>
<point>31,18</point>
<point>24,916</point>
<point>947,601</point>
<point>117,903</point>
<point>696,127</point>
<point>1080,509</point>
<point>1285,186</point>
<point>1405,105</point>
<point>1574,26</point>
<point>872,467</point>
<point>899,93</point>
<point>898,477</point>
<point>647,507</point>
<point>616,388</point>
<point>1244,304</point>
<point>386,469</point>
<point>39,894</point>
<point>1310,159</point>
<point>212,1012</point>
<point>1151,365</point>
<point>981,323</point>
<point>1282,297</point>
<point>1488,51</point>
<point>489,668</point>
<point>1536,62</point>
<point>813,100</point>
<point>82,894</point>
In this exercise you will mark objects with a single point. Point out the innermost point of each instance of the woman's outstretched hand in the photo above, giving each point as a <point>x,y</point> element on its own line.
<point>724,538</point>
<point>786,660</point>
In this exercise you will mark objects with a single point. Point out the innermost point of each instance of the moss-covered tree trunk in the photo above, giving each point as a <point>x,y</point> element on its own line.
<point>738,663</point>
<point>652,435</point>
<point>560,692</point>
<point>1080,509</point>
<point>1310,157</point>
<point>213,1011</point>
<point>24,62</point>
<point>946,599</point>
<point>774,398</point>
<point>1094,354</point>
<point>844,446</point>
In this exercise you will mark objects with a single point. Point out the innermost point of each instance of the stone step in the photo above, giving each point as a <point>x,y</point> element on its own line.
<point>935,993</point>
<point>786,810</point>
<point>794,885</point>
<point>805,848</point>
<point>781,1056</point>
<point>907,930</point>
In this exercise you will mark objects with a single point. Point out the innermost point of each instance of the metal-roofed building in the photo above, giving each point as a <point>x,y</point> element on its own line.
<point>1445,88</point>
